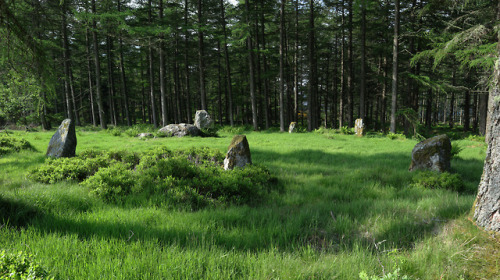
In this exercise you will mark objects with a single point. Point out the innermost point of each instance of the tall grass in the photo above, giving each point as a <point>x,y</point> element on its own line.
<point>348,206</point>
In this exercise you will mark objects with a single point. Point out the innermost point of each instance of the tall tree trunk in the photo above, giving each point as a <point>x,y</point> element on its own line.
<point>253,98</point>
<point>467,111</point>
<point>64,30</point>
<point>342,69</point>
<point>228,66</point>
<point>201,54</point>
<point>296,65</point>
<point>163,94</point>
<point>186,63</point>
<point>282,65</point>
<point>123,79</point>
<point>151,68</point>
<point>91,85</point>
<point>362,89</point>
<point>111,80</point>
<point>312,119</point>
<point>474,113</point>
<point>265,90</point>
<point>97,63</point>
<point>395,48</point>
<point>350,65</point>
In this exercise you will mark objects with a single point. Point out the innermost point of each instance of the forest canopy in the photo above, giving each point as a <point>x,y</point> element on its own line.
<point>396,64</point>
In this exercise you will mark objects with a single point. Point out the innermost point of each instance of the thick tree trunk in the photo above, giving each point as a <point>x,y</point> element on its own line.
<point>395,68</point>
<point>97,63</point>
<point>487,205</point>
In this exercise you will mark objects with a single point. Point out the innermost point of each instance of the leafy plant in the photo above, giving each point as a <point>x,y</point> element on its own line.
<point>436,180</point>
<point>346,130</point>
<point>21,266</point>
<point>396,136</point>
<point>455,149</point>
<point>12,144</point>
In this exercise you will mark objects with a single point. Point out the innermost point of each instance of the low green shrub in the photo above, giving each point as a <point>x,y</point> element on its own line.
<point>396,136</point>
<point>389,276</point>
<point>436,180</point>
<point>10,144</point>
<point>192,178</point>
<point>346,130</point>
<point>21,266</point>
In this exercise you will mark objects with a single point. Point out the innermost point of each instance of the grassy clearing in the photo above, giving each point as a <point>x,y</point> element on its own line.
<point>349,206</point>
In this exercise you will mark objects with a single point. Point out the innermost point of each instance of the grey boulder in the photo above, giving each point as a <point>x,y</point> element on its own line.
<point>180,130</point>
<point>432,154</point>
<point>238,154</point>
<point>63,142</point>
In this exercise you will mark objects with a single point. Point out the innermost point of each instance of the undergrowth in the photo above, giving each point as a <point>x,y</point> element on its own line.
<point>21,266</point>
<point>13,144</point>
<point>191,178</point>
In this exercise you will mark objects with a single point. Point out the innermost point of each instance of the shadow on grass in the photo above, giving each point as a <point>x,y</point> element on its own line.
<point>333,202</point>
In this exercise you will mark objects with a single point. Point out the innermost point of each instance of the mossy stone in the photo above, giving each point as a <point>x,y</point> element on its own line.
<point>432,154</point>
<point>63,142</point>
<point>238,154</point>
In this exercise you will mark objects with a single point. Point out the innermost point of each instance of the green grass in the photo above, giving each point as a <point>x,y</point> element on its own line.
<point>349,206</point>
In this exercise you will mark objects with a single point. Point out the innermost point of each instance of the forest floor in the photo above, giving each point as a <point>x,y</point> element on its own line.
<point>349,210</point>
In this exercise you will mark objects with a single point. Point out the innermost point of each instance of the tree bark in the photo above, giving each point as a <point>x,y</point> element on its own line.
<point>97,63</point>
<point>91,85</point>
<point>282,65</point>
<point>228,66</point>
<point>151,68</point>
<point>186,63</point>
<point>395,68</point>
<point>487,204</point>
<point>362,89</point>
<point>312,119</point>
<point>251,70</point>
<point>163,94</point>
<point>201,54</point>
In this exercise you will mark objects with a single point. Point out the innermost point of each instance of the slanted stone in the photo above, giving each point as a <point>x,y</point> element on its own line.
<point>432,154</point>
<point>291,128</point>
<point>180,130</point>
<point>359,127</point>
<point>202,119</point>
<point>63,142</point>
<point>145,135</point>
<point>238,154</point>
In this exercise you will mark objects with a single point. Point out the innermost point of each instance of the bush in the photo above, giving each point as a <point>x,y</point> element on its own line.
<point>396,136</point>
<point>346,130</point>
<point>20,266</point>
<point>436,180</point>
<point>389,276</point>
<point>191,178</point>
<point>11,144</point>
<point>111,183</point>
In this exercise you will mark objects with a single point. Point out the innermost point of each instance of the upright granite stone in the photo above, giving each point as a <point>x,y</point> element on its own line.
<point>291,128</point>
<point>359,127</point>
<point>180,130</point>
<point>63,142</point>
<point>202,119</point>
<point>432,154</point>
<point>238,154</point>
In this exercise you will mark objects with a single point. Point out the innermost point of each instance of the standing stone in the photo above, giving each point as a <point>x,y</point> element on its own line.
<point>180,130</point>
<point>432,154</point>
<point>238,154</point>
<point>145,135</point>
<point>202,119</point>
<point>487,205</point>
<point>359,127</point>
<point>291,128</point>
<point>63,142</point>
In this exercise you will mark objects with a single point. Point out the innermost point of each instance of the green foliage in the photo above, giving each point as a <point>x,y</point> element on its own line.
<point>115,131</point>
<point>346,130</point>
<point>396,136</point>
<point>389,276</point>
<point>436,180</point>
<point>10,144</point>
<point>236,129</point>
<point>21,266</point>
<point>191,178</point>
<point>455,149</point>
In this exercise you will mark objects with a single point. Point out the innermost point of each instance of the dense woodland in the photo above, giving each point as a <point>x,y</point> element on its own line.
<point>400,65</point>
